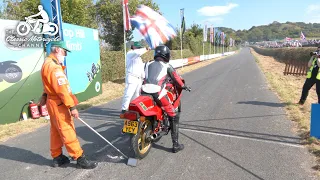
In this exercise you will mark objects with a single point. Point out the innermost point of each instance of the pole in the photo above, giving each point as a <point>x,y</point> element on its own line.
<point>124,38</point>
<point>102,137</point>
<point>181,45</point>
<point>125,49</point>
<point>203,48</point>
<point>223,48</point>
<point>181,35</point>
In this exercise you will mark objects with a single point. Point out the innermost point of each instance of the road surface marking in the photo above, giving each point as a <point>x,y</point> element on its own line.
<point>233,136</point>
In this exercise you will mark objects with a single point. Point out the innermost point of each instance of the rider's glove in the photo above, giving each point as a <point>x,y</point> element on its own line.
<point>186,88</point>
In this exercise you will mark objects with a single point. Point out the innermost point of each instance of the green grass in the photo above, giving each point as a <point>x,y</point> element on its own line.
<point>32,88</point>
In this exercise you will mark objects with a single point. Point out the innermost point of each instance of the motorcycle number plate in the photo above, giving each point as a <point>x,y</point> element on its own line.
<point>130,127</point>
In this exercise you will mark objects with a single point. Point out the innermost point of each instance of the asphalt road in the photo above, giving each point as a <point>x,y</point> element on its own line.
<point>232,125</point>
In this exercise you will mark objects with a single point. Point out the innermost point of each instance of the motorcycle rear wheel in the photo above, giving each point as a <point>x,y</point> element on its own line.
<point>138,141</point>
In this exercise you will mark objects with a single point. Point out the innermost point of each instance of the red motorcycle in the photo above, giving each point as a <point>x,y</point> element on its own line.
<point>145,121</point>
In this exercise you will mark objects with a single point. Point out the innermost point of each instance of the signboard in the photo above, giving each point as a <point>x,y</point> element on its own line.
<point>83,62</point>
<point>20,79</point>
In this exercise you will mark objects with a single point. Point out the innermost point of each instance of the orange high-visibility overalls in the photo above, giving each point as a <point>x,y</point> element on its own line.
<point>60,101</point>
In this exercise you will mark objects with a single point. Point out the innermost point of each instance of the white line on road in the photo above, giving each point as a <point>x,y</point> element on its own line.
<point>252,139</point>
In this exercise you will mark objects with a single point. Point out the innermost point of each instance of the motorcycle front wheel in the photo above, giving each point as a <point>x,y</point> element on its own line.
<point>23,28</point>
<point>12,74</point>
<point>139,145</point>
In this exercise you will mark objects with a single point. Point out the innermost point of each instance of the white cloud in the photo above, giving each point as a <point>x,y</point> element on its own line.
<point>214,20</point>
<point>216,10</point>
<point>315,8</point>
<point>313,19</point>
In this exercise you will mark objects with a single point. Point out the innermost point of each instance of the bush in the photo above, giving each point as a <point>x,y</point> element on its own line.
<point>113,64</point>
<point>286,54</point>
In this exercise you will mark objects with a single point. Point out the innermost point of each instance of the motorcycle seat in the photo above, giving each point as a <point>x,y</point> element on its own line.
<point>151,88</point>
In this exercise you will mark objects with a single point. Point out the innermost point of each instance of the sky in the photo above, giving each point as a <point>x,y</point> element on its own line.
<point>237,14</point>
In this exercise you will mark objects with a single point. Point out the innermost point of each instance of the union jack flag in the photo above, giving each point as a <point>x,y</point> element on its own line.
<point>153,27</point>
<point>126,16</point>
<point>302,36</point>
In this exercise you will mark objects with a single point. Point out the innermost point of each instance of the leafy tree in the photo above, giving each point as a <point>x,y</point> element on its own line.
<point>80,13</point>
<point>110,19</point>
<point>195,30</point>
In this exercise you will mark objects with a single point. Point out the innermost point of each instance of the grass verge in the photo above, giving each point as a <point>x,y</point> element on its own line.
<point>288,89</point>
<point>110,91</point>
<point>11,130</point>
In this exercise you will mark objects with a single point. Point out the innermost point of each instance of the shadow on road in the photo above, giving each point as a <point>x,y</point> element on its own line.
<point>23,155</point>
<point>234,163</point>
<point>101,113</point>
<point>245,134</point>
<point>260,103</point>
<point>100,150</point>
<point>236,118</point>
<point>157,146</point>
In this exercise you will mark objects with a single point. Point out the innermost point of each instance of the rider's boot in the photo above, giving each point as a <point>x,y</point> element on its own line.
<point>174,121</point>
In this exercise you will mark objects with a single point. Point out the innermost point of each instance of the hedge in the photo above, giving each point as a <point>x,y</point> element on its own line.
<point>285,54</point>
<point>112,62</point>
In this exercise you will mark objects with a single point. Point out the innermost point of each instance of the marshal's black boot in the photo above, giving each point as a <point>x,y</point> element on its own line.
<point>60,160</point>
<point>84,163</point>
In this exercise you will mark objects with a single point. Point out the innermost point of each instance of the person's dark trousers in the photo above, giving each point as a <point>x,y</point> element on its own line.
<point>307,86</point>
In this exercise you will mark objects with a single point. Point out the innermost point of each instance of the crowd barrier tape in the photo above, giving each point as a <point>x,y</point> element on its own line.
<point>176,63</point>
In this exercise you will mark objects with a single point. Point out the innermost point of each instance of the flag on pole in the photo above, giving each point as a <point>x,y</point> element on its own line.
<point>183,23</point>
<point>302,36</point>
<point>153,27</point>
<point>205,33</point>
<point>211,34</point>
<point>222,37</point>
<point>126,16</point>
<point>217,36</point>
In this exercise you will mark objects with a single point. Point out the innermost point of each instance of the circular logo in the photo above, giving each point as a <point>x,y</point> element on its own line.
<point>8,35</point>
<point>97,86</point>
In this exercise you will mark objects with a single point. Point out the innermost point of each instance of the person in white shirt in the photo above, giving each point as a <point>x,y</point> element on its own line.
<point>134,74</point>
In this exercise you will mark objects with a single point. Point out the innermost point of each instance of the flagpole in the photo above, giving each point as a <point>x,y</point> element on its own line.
<point>210,48</point>
<point>124,36</point>
<point>203,48</point>
<point>181,39</point>
<point>214,43</point>
<point>125,48</point>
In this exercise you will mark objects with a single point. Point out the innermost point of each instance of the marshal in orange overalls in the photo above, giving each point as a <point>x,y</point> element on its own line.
<point>60,101</point>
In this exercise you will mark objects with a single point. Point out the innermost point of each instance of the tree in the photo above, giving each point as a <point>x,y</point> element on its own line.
<point>80,13</point>
<point>196,30</point>
<point>110,19</point>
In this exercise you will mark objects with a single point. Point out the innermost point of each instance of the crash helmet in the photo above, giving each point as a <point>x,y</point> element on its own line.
<point>162,51</point>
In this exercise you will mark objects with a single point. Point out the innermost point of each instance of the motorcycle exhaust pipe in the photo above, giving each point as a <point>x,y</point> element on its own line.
<point>154,136</point>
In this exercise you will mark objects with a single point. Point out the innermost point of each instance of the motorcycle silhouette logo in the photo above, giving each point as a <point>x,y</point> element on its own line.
<point>10,72</point>
<point>45,27</point>
<point>94,70</point>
